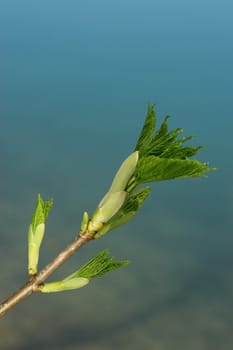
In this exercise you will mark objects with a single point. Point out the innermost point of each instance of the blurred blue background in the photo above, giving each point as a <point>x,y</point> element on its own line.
<point>75,81</point>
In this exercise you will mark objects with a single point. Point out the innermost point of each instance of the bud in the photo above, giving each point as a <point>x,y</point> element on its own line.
<point>36,233</point>
<point>116,196</point>
<point>34,242</point>
<point>84,223</point>
<point>112,203</point>
<point>123,175</point>
<point>66,284</point>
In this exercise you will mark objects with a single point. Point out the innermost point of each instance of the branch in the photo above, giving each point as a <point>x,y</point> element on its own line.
<point>32,285</point>
<point>159,155</point>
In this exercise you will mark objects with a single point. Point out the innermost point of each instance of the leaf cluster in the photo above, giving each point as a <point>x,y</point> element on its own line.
<point>163,156</point>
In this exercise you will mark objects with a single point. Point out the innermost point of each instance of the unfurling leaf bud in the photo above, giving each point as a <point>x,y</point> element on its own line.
<point>98,266</point>
<point>36,233</point>
<point>116,195</point>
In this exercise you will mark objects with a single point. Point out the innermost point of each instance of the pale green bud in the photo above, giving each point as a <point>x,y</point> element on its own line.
<point>66,284</point>
<point>34,242</point>
<point>112,203</point>
<point>84,223</point>
<point>39,233</point>
<point>122,176</point>
<point>116,196</point>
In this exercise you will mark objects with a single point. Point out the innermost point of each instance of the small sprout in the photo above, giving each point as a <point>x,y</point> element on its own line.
<point>98,266</point>
<point>36,233</point>
<point>84,223</point>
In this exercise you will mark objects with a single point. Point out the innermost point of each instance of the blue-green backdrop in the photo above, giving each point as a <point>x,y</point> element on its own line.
<point>75,81</point>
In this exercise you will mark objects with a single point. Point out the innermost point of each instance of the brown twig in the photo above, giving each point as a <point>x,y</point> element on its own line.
<point>34,281</point>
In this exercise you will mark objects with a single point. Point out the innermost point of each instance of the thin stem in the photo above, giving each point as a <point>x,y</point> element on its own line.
<point>32,285</point>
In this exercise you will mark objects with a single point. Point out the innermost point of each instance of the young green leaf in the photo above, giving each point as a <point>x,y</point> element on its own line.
<point>153,168</point>
<point>41,211</point>
<point>163,143</point>
<point>98,266</point>
<point>146,134</point>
